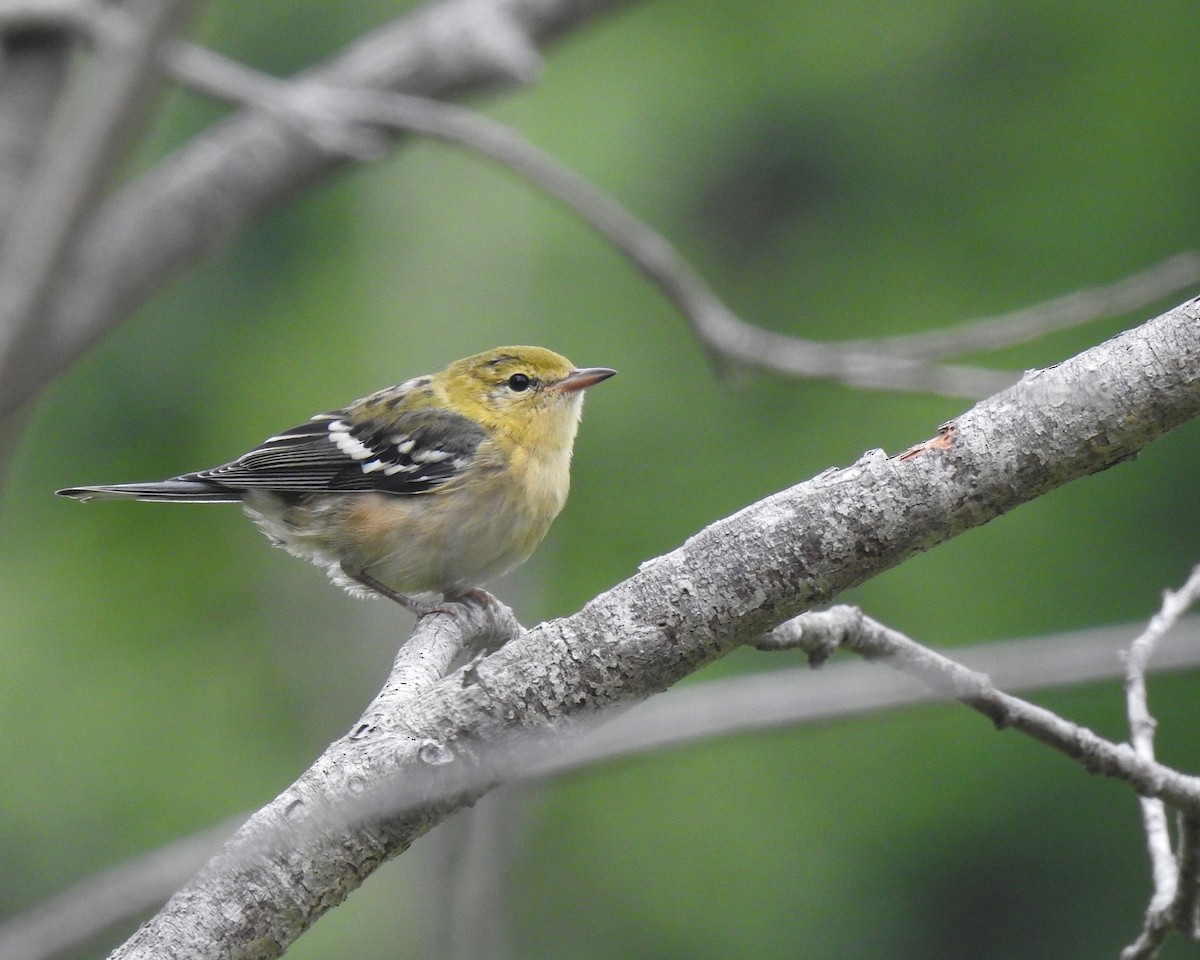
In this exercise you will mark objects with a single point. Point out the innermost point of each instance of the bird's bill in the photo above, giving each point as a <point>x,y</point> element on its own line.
<point>582,379</point>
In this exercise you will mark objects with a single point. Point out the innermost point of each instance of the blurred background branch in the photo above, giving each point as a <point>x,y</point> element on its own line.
<point>197,199</point>
<point>65,184</point>
<point>128,250</point>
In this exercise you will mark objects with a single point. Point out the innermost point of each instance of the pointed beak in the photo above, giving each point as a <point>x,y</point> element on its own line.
<point>582,379</point>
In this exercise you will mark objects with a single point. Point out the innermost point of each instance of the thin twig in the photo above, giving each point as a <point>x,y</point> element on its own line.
<point>340,119</point>
<point>841,627</point>
<point>335,117</point>
<point>790,698</point>
<point>1171,906</point>
<point>744,704</point>
<point>1178,272</point>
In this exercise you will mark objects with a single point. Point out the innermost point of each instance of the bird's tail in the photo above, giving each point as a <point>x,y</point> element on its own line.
<point>180,490</point>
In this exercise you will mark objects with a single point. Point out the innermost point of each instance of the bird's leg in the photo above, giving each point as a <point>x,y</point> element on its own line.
<point>415,607</point>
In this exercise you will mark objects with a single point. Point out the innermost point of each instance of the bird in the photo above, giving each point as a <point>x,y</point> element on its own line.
<point>433,486</point>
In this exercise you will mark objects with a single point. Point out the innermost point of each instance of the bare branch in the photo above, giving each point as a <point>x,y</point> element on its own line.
<point>651,252</point>
<point>79,914</point>
<point>789,698</point>
<point>334,118</point>
<point>274,898</point>
<point>72,174</point>
<point>1187,899</point>
<point>1172,905</point>
<point>847,628</point>
<point>345,119</point>
<point>206,192</point>
<point>1029,323</point>
<point>195,201</point>
<point>76,16</point>
<point>467,888</point>
<point>33,69</point>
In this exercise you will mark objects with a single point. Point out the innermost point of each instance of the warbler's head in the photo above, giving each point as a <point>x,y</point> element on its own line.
<point>529,392</point>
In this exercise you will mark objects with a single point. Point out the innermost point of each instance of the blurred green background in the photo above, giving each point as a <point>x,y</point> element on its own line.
<point>835,170</point>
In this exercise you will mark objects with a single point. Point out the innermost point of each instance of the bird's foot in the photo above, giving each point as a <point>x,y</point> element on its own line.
<point>420,608</point>
<point>491,622</point>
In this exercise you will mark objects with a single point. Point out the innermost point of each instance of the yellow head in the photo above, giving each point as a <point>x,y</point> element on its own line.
<point>530,393</point>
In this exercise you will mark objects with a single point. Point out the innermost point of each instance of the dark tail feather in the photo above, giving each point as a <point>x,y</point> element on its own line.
<point>180,491</point>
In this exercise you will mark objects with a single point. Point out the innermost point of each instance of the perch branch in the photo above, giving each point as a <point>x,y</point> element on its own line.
<point>263,875</point>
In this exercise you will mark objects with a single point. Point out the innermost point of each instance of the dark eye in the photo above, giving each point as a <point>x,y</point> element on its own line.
<point>519,382</point>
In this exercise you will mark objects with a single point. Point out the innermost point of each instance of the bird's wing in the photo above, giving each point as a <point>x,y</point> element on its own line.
<point>414,453</point>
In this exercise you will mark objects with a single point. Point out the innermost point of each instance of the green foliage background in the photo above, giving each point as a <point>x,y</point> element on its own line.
<point>835,170</point>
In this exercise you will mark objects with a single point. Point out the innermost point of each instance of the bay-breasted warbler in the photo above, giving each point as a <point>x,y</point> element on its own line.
<point>432,486</point>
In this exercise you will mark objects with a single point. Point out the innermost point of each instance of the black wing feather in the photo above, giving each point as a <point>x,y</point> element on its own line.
<point>417,453</point>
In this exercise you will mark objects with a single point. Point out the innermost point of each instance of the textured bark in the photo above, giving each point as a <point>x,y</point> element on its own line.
<point>725,586</point>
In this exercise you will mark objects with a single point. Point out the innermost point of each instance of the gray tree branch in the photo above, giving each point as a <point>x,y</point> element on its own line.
<point>33,71</point>
<point>63,188</point>
<point>273,905</point>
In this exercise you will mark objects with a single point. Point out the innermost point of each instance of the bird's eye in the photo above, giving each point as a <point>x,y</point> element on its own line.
<point>519,382</point>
